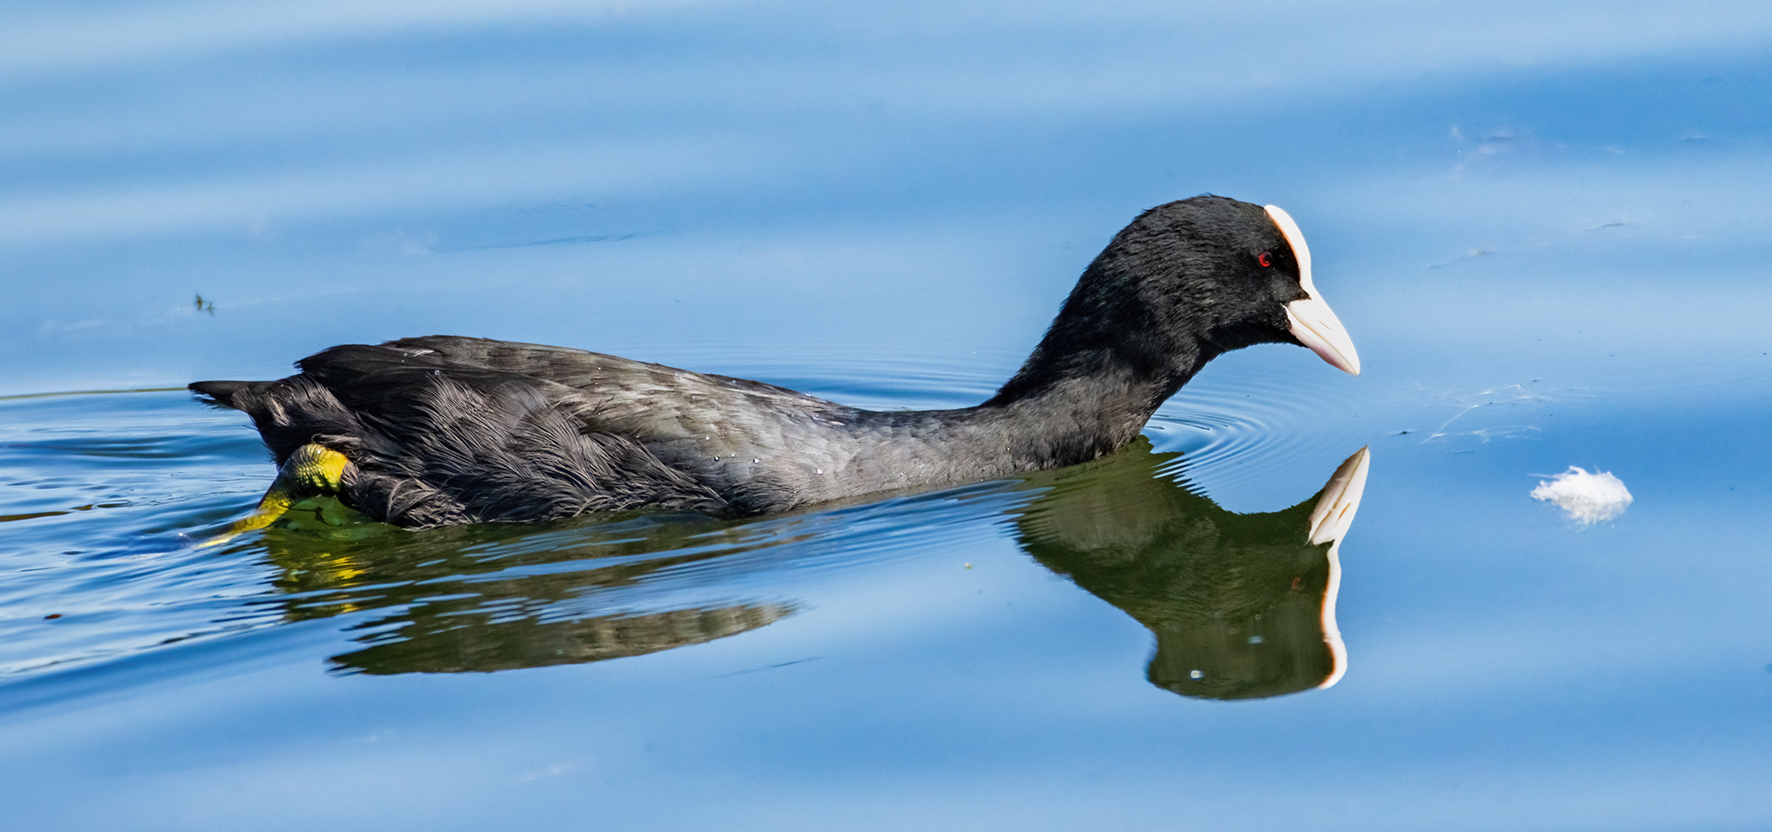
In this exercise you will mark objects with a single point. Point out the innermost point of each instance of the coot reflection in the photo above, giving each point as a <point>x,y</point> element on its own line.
<point>1242,605</point>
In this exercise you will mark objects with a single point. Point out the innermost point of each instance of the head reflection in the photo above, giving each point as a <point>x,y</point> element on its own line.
<point>1242,605</point>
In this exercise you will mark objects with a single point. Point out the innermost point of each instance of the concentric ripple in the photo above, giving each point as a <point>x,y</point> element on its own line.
<point>1242,427</point>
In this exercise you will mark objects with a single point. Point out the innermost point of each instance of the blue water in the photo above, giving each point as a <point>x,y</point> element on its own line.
<point>1545,225</point>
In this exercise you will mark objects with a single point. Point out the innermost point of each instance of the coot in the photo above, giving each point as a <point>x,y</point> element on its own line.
<point>442,430</point>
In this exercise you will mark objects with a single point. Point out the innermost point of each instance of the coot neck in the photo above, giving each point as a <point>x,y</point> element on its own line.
<point>1076,406</point>
<point>1111,358</point>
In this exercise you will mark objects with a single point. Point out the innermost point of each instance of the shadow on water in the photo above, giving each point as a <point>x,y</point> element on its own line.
<point>1242,605</point>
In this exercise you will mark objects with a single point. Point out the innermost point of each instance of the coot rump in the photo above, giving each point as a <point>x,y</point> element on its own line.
<point>440,430</point>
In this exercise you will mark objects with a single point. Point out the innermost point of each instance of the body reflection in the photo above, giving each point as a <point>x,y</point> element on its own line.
<point>485,645</point>
<point>488,598</point>
<point>1242,605</point>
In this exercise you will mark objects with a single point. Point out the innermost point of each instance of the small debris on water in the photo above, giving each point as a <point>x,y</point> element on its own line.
<point>1196,674</point>
<point>1586,498</point>
<point>1256,639</point>
<point>52,616</point>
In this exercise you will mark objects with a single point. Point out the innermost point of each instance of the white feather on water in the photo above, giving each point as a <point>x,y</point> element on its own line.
<point>1586,498</point>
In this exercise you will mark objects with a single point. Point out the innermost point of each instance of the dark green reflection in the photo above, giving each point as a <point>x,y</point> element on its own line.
<point>1242,605</point>
<point>486,598</point>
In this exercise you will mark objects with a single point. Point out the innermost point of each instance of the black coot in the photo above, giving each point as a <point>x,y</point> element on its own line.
<point>440,430</point>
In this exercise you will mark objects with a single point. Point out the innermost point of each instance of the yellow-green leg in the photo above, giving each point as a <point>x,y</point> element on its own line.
<point>310,472</point>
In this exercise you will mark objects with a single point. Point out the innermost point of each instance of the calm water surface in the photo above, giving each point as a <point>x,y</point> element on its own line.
<point>1546,226</point>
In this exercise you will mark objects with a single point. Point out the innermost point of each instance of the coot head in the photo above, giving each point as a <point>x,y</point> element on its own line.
<point>1184,283</point>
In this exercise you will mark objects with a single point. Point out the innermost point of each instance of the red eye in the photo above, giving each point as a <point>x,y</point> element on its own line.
<point>1266,259</point>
